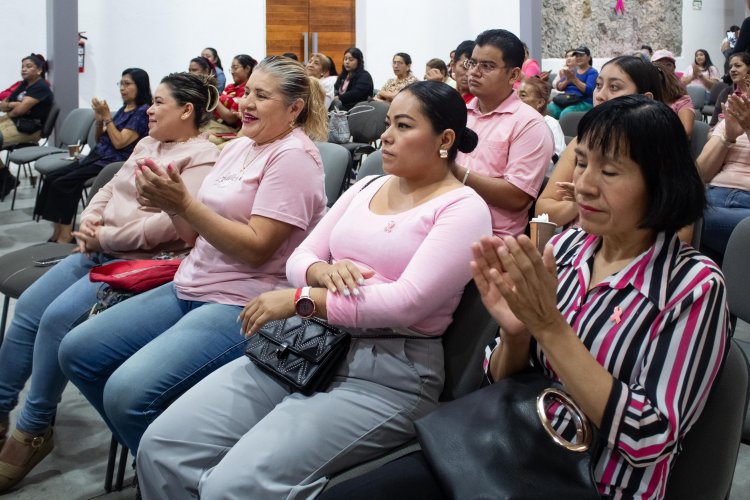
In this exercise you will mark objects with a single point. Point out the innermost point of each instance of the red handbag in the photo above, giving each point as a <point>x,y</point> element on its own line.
<point>136,275</point>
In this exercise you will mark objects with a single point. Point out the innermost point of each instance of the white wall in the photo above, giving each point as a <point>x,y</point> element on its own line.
<point>24,30</point>
<point>424,29</point>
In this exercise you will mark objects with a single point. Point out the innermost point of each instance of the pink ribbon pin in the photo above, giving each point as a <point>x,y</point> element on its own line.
<point>617,316</point>
<point>620,7</point>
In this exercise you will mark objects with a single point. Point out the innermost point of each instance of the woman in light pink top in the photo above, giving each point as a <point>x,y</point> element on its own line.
<point>400,248</point>
<point>257,204</point>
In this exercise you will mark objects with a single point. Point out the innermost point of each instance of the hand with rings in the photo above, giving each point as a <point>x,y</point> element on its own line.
<point>342,277</point>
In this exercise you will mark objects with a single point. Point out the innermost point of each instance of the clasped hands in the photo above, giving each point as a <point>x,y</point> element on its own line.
<point>737,115</point>
<point>161,188</point>
<point>343,277</point>
<point>518,286</point>
<point>101,110</point>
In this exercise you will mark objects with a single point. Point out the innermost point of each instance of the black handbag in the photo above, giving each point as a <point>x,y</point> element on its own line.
<point>495,444</point>
<point>565,100</point>
<point>27,125</point>
<point>302,353</point>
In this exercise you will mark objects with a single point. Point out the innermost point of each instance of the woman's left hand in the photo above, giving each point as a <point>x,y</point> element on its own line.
<point>530,283</point>
<point>162,189</point>
<point>738,107</point>
<point>88,238</point>
<point>278,304</point>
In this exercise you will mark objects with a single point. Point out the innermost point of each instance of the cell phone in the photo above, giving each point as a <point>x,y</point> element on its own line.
<point>50,261</point>
<point>731,37</point>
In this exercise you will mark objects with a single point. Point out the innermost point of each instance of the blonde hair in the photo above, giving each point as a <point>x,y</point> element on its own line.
<point>325,61</point>
<point>295,84</point>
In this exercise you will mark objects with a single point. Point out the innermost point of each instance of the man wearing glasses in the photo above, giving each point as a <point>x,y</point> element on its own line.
<point>515,144</point>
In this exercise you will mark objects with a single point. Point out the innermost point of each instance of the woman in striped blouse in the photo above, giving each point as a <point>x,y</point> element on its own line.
<point>631,321</point>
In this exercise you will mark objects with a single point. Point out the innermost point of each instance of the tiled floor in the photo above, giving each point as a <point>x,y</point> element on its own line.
<point>75,469</point>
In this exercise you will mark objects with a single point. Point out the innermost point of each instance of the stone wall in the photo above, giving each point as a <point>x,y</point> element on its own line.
<point>594,23</point>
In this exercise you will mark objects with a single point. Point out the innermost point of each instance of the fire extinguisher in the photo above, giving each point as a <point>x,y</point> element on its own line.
<point>81,51</point>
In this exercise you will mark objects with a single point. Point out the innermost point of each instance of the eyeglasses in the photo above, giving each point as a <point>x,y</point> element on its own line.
<point>123,83</point>
<point>484,66</point>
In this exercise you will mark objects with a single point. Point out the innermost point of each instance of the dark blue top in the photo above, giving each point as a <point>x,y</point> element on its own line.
<point>589,78</point>
<point>136,120</point>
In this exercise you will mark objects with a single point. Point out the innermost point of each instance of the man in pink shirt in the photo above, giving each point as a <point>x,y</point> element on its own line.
<point>515,145</point>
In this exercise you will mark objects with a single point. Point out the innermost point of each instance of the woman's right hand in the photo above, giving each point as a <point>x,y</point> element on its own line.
<point>737,116</point>
<point>343,277</point>
<point>487,272</point>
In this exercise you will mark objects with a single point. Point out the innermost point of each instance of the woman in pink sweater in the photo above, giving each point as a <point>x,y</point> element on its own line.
<point>399,252</point>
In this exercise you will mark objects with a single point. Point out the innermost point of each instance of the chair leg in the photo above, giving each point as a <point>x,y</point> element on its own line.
<point>15,189</point>
<point>3,321</point>
<point>110,465</point>
<point>39,183</point>
<point>124,454</point>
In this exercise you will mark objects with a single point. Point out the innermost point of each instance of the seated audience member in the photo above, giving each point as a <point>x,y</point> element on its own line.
<point>570,65</point>
<point>202,66</point>
<point>319,66</point>
<point>437,71</point>
<point>26,109</point>
<point>213,56</point>
<point>739,73</point>
<point>676,97</point>
<point>116,138</point>
<point>402,69</point>
<point>234,425</point>
<point>290,55</point>
<point>226,121</point>
<point>113,227</point>
<point>530,67</point>
<point>257,204</point>
<point>642,380</point>
<point>460,73</point>
<point>666,60</point>
<point>728,45</point>
<point>576,84</point>
<point>621,76</point>
<point>723,167</point>
<point>535,93</point>
<point>647,52</point>
<point>515,146</point>
<point>702,73</point>
<point>354,83</point>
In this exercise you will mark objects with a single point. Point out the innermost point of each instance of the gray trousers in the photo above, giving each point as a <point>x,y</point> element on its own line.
<point>240,434</point>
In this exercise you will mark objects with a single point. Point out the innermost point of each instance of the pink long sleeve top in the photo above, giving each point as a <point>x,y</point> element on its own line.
<point>420,257</point>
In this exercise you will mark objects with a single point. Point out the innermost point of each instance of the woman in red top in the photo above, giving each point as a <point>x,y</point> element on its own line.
<point>226,115</point>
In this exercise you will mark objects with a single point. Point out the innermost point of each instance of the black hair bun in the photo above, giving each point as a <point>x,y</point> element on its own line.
<point>468,141</point>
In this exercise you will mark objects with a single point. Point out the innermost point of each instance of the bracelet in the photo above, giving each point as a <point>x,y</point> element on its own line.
<point>466,176</point>
<point>726,142</point>
<point>106,123</point>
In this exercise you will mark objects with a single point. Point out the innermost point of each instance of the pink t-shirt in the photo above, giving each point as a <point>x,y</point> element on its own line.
<point>420,257</point>
<point>514,144</point>
<point>684,102</point>
<point>283,181</point>
<point>735,173</point>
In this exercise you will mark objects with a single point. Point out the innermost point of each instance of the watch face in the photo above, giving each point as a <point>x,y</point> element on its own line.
<point>305,307</point>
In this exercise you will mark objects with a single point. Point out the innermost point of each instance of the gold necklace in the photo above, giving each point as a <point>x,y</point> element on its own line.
<point>230,178</point>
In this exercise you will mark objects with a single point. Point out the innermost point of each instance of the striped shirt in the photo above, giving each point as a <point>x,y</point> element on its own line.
<point>660,327</point>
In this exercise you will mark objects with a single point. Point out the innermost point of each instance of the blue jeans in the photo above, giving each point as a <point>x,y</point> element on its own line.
<point>44,313</point>
<point>132,360</point>
<point>725,209</point>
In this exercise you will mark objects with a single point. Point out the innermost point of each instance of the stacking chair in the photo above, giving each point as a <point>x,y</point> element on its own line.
<point>705,466</point>
<point>47,128</point>
<point>373,165</point>
<point>18,270</point>
<point>366,124</point>
<point>699,139</point>
<point>74,130</point>
<point>464,342</point>
<point>337,163</point>
<point>713,95</point>
<point>569,124</point>
<point>698,96</point>
<point>736,270</point>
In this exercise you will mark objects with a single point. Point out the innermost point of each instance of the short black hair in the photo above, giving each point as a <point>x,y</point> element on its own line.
<point>509,44</point>
<point>445,109</point>
<point>648,48</point>
<point>645,75</point>
<point>142,85</point>
<point>291,55</point>
<point>217,59</point>
<point>650,133</point>
<point>403,55</point>
<point>464,48</point>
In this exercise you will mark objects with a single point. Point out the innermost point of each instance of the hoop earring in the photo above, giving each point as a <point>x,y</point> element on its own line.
<point>443,153</point>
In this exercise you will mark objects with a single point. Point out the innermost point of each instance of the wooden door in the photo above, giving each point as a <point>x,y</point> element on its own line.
<point>331,21</point>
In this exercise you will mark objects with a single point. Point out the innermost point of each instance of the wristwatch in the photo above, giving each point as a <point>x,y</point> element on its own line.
<point>303,303</point>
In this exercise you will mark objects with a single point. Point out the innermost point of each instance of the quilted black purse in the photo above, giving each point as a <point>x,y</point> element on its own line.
<point>302,353</point>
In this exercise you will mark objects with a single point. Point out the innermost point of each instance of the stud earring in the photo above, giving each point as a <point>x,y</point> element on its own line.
<point>443,153</point>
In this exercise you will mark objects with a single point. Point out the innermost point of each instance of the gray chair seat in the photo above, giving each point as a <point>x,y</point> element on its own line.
<point>50,163</point>
<point>337,163</point>
<point>27,155</point>
<point>373,165</point>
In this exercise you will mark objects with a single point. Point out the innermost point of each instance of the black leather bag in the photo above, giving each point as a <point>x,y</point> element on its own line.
<point>302,353</point>
<point>492,444</point>
<point>565,100</point>
<point>27,125</point>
